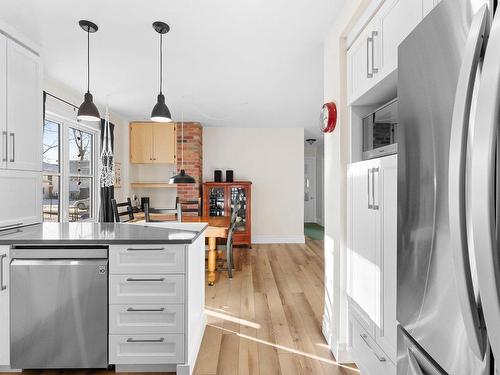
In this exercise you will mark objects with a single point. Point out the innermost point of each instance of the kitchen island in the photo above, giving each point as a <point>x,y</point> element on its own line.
<point>131,296</point>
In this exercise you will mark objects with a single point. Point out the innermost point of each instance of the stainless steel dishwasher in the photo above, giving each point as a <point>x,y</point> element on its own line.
<point>59,307</point>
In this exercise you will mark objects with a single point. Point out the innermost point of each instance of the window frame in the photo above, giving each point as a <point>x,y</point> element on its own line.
<point>65,123</point>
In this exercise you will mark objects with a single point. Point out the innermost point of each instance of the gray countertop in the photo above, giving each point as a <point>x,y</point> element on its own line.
<point>101,233</point>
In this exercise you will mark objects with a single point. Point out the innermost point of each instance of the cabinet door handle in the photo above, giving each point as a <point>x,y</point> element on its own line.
<point>2,287</point>
<point>374,69</point>
<point>146,249</point>
<point>370,206</point>
<point>13,158</point>
<point>5,142</point>
<point>131,309</point>
<point>153,340</point>
<point>374,206</point>
<point>160,279</point>
<point>369,72</point>
<point>364,337</point>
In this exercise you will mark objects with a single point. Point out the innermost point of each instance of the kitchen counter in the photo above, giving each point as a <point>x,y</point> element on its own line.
<point>102,234</point>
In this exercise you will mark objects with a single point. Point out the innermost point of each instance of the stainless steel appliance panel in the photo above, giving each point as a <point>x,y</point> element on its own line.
<point>380,131</point>
<point>427,304</point>
<point>58,313</point>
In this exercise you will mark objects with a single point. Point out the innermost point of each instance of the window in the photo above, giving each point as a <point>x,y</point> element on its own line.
<point>69,168</point>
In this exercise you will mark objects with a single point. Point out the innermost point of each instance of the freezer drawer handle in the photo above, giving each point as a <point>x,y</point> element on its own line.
<point>146,249</point>
<point>153,340</point>
<point>131,309</point>
<point>365,339</point>
<point>140,279</point>
<point>2,287</point>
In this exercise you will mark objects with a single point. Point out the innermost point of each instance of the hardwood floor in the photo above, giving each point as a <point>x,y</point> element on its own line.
<point>267,319</point>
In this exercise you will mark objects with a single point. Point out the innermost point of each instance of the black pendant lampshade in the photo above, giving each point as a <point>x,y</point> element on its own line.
<point>160,112</point>
<point>182,178</point>
<point>88,110</point>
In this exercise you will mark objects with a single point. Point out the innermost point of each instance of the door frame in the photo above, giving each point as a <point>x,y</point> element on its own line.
<point>314,161</point>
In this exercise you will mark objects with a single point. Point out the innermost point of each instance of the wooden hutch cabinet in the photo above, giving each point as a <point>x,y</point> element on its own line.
<point>223,198</point>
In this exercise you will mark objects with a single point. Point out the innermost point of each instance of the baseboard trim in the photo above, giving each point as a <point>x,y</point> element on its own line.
<point>146,368</point>
<point>278,239</point>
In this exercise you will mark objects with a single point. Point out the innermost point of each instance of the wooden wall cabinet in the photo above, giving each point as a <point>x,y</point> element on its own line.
<point>153,143</point>
<point>223,198</point>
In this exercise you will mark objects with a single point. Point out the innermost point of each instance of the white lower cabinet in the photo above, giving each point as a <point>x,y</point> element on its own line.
<point>147,311</point>
<point>4,307</point>
<point>22,203</point>
<point>369,357</point>
<point>146,319</point>
<point>371,259</point>
<point>146,349</point>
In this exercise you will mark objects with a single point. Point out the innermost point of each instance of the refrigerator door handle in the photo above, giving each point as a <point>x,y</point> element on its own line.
<point>456,183</point>
<point>413,363</point>
<point>483,182</point>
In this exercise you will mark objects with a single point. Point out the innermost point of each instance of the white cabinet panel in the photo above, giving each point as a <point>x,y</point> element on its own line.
<point>146,349</point>
<point>22,203</point>
<point>146,289</point>
<point>3,102</point>
<point>4,307</point>
<point>428,5</point>
<point>396,19</point>
<point>24,109</point>
<point>142,319</point>
<point>364,245</point>
<point>387,331</point>
<point>147,259</point>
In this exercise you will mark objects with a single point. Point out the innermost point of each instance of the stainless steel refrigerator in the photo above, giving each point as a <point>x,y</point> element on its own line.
<point>448,297</point>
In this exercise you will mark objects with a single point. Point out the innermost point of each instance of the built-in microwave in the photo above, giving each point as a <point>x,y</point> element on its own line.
<point>380,131</point>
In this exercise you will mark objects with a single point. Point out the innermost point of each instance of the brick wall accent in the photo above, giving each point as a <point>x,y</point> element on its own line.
<point>193,159</point>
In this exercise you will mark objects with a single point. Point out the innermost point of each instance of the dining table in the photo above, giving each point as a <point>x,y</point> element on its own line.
<point>218,227</point>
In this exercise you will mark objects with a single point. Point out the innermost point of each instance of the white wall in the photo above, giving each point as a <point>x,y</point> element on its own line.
<point>336,159</point>
<point>273,159</point>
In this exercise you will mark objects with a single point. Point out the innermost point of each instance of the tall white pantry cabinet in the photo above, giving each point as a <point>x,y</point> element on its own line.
<point>21,129</point>
<point>371,264</point>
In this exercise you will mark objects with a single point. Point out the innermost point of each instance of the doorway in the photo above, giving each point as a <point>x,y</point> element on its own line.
<point>310,189</point>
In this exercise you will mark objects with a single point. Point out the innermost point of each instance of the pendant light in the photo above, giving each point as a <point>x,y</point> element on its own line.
<point>88,111</point>
<point>160,112</point>
<point>182,178</point>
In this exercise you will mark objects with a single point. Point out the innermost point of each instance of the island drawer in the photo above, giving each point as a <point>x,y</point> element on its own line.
<point>146,349</point>
<point>126,259</point>
<point>146,319</point>
<point>146,289</point>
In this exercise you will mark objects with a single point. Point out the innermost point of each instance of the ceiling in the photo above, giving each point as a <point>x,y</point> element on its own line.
<point>240,63</point>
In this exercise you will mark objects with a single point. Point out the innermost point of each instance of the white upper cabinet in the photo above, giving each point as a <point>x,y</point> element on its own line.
<point>396,19</point>
<point>24,109</point>
<point>374,54</point>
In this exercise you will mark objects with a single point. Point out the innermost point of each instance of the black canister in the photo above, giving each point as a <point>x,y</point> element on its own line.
<point>217,175</point>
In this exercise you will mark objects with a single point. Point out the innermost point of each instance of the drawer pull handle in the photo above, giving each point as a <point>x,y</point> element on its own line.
<point>137,279</point>
<point>153,340</point>
<point>146,249</point>
<point>131,309</point>
<point>365,339</point>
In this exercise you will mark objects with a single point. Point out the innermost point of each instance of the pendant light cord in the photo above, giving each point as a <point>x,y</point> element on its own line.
<point>161,62</point>
<point>182,137</point>
<point>88,60</point>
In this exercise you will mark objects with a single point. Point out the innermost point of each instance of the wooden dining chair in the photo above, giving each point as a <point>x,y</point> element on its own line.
<point>229,249</point>
<point>175,212</point>
<point>190,206</point>
<point>119,212</point>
